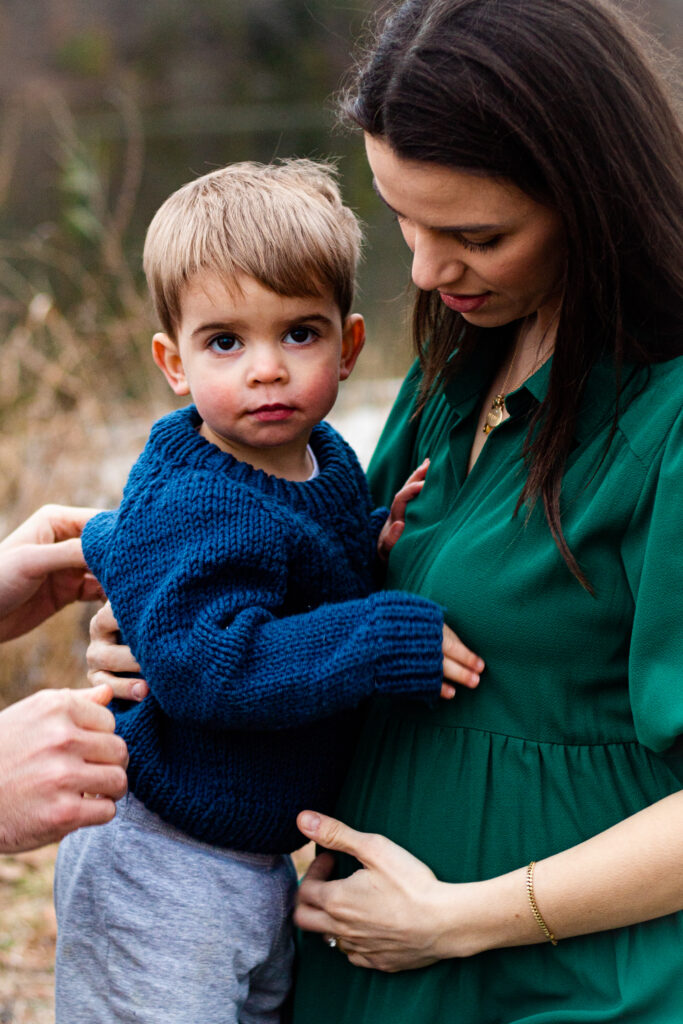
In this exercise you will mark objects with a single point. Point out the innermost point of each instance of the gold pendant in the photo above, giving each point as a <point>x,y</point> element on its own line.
<point>495,414</point>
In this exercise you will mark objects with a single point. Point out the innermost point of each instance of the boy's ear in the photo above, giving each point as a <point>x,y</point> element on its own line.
<point>166,356</point>
<point>353,339</point>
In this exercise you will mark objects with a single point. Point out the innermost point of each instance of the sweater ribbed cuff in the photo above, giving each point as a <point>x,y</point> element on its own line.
<point>409,653</point>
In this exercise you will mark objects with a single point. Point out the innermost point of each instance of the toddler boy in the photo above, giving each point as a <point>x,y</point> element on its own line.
<point>240,566</point>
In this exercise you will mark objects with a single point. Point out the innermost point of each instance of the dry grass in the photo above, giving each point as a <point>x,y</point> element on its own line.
<point>74,408</point>
<point>77,391</point>
<point>27,938</point>
<point>80,456</point>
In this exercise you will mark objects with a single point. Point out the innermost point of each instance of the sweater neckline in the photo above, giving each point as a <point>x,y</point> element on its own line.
<point>176,440</point>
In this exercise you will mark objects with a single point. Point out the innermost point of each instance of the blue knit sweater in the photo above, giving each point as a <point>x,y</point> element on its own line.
<point>248,603</point>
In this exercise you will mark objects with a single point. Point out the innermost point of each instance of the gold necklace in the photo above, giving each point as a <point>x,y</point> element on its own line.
<point>494,417</point>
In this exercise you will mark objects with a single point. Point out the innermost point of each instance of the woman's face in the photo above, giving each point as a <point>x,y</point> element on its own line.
<point>493,253</point>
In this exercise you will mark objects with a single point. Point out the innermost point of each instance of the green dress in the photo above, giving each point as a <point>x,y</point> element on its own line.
<point>578,718</point>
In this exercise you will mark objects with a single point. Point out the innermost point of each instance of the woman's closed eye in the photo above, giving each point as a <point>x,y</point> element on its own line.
<point>471,246</point>
<point>466,243</point>
<point>224,343</point>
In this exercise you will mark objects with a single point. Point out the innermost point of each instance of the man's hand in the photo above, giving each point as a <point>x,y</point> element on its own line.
<point>61,766</point>
<point>42,569</point>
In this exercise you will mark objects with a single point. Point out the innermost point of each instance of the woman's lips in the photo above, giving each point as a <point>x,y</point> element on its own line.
<point>464,303</point>
<point>272,413</point>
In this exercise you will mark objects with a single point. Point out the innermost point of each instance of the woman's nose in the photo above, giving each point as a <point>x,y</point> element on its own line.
<point>435,263</point>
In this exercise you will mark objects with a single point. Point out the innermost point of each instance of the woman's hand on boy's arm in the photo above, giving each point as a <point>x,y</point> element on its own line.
<point>106,657</point>
<point>396,521</point>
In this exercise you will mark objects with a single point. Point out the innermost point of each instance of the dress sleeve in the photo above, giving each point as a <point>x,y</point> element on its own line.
<point>394,458</point>
<point>216,647</point>
<point>653,558</point>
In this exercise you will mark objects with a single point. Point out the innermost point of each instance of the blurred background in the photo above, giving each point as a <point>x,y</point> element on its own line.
<point>107,106</point>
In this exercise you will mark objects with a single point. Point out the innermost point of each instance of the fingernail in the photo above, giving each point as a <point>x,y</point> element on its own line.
<point>479,665</point>
<point>310,822</point>
<point>138,691</point>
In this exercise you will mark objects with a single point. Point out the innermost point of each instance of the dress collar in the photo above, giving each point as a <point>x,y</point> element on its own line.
<point>463,392</point>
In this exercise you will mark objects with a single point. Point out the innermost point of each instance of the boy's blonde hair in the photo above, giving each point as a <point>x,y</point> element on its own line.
<point>283,224</point>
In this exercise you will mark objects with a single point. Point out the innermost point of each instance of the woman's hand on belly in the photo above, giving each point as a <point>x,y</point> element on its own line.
<point>393,914</point>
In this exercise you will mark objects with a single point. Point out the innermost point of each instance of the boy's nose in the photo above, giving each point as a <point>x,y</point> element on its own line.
<point>266,366</point>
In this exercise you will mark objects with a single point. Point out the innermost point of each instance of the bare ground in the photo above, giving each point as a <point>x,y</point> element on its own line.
<point>27,938</point>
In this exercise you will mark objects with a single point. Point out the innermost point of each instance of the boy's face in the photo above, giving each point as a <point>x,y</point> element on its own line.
<point>261,368</point>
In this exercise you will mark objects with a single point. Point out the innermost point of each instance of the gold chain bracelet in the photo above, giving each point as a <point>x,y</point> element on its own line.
<point>534,906</point>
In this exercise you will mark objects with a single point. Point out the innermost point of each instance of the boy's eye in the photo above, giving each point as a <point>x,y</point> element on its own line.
<point>300,335</point>
<point>224,343</point>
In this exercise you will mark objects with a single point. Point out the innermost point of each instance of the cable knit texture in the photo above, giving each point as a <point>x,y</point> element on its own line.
<point>248,602</point>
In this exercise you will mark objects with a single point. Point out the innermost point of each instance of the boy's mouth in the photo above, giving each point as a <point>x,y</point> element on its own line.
<point>272,413</point>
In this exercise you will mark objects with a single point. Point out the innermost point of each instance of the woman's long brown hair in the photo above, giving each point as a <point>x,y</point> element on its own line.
<point>560,98</point>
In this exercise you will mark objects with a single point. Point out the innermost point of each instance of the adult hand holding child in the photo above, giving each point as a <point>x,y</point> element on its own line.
<point>56,745</point>
<point>43,569</point>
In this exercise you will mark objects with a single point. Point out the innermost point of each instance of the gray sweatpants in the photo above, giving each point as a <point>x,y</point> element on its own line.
<point>158,928</point>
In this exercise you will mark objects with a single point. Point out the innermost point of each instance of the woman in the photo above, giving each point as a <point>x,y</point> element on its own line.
<point>533,163</point>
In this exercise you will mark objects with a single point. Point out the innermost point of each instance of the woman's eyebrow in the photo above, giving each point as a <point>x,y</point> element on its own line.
<point>457,229</point>
<point>379,195</point>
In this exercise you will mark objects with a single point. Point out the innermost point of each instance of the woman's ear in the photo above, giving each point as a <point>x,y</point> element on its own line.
<point>353,339</point>
<point>167,357</point>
